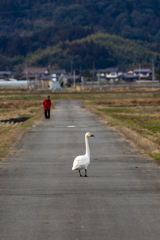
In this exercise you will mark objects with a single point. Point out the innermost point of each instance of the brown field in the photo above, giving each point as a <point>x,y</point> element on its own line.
<point>135,114</point>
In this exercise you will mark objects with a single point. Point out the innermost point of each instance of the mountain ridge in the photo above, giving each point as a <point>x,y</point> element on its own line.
<point>27,27</point>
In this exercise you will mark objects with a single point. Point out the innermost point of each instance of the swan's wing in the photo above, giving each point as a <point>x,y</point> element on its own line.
<point>80,162</point>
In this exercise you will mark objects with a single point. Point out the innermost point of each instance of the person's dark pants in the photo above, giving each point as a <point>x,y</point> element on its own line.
<point>47,114</point>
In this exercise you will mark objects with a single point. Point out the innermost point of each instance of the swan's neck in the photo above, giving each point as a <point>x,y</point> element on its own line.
<point>87,147</point>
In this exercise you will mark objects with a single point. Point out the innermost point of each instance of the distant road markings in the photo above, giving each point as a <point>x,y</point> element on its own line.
<point>72,126</point>
<point>78,126</point>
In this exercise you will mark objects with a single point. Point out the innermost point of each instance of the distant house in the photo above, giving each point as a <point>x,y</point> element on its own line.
<point>4,74</point>
<point>57,74</point>
<point>64,78</point>
<point>129,76</point>
<point>33,72</point>
<point>76,77</point>
<point>69,79</point>
<point>144,73</point>
<point>109,74</point>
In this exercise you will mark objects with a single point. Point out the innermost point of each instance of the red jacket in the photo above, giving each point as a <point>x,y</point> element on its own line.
<point>47,104</point>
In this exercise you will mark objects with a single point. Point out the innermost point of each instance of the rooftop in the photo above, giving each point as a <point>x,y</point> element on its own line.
<point>34,70</point>
<point>142,70</point>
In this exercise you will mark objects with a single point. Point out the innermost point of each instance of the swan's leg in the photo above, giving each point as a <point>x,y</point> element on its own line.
<point>80,173</point>
<point>85,173</point>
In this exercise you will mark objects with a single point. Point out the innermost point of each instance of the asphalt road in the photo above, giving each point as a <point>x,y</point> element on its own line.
<point>41,198</point>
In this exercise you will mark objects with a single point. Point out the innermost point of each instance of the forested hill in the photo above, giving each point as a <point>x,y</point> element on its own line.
<point>103,49</point>
<point>136,19</point>
<point>28,26</point>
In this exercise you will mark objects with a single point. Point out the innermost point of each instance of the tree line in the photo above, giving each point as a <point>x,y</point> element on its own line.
<point>16,45</point>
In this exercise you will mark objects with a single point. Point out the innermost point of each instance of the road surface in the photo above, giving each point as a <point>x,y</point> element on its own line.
<point>41,198</point>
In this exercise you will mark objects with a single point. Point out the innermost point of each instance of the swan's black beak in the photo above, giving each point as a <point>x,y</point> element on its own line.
<point>92,135</point>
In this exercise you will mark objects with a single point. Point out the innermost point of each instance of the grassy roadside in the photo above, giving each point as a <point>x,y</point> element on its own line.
<point>10,133</point>
<point>138,124</point>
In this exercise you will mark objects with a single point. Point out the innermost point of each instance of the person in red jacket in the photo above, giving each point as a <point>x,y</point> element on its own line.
<point>46,106</point>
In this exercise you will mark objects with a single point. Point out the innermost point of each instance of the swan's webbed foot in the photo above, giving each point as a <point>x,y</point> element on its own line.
<point>85,173</point>
<point>80,173</point>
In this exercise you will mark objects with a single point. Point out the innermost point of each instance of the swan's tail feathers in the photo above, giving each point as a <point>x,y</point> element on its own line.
<point>77,162</point>
<point>74,167</point>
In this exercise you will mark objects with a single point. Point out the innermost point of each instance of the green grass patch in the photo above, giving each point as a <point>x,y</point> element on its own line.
<point>156,156</point>
<point>141,121</point>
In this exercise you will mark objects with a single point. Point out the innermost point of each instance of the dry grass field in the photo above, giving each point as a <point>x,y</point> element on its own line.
<point>136,117</point>
<point>135,114</point>
<point>10,132</point>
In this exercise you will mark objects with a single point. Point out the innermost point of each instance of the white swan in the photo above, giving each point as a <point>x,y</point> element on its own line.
<point>82,162</point>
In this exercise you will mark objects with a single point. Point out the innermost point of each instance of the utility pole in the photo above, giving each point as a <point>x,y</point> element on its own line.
<point>98,79</point>
<point>49,69</point>
<point>50,72</point>
<point>139,72</point>
<point>153,74</point>
<point>93,75</point>
<point>36,82</point>
<point>27,77</point>
<point>74,80</point>
<point>81,83</point>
